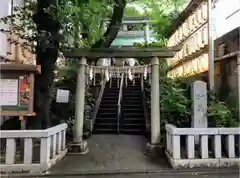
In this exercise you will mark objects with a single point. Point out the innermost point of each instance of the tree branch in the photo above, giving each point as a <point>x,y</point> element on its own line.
<point>114,25</point>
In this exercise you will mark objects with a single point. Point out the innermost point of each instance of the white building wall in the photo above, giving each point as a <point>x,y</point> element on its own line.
<point>5,10</point>
<point>226,16</point>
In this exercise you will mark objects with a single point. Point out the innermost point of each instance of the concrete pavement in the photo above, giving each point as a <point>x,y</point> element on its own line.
<point>112,153</point>
<point>151,175</point>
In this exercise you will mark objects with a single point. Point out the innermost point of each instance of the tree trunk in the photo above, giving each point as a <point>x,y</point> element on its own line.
<point>47,54</point>
<point>114,25</point>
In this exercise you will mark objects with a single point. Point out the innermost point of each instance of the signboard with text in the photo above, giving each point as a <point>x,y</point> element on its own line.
<point>16,91</point>
<point>8,92</point>
<point>15,95</point>
<point>62,96</point>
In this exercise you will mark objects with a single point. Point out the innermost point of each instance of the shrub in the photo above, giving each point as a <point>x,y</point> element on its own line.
<point>220,114</point>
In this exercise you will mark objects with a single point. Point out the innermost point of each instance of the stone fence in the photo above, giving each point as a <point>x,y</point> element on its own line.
<point>41,150</point>
<point>216,147</point>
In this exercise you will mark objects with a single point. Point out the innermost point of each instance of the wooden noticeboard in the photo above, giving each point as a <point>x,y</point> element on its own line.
<point>16,89</point>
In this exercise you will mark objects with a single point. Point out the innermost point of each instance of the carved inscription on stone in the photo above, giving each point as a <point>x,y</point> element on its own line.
<point>199,107</point>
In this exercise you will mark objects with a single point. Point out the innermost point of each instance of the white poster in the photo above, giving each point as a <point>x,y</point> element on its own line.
<point>8,92</point>
<point>62,96</point>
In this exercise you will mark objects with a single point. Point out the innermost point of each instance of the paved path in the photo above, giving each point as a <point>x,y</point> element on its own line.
<point>157,176</point>
<point>168,175</point>
<point>111,153</point>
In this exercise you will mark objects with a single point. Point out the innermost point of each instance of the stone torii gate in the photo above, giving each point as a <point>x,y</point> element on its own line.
<point>82,54</point>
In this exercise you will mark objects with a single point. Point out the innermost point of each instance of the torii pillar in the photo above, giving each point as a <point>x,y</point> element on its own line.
<point>79,145</point>
<point>154,144</point>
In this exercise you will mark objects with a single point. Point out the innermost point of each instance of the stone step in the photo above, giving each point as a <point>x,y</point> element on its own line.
<point>131,109</point>
<point>121,131</point>
<point>132,126</point>
<point>131,131</point>
<point>105,126</point>
<point>106,115</point>
<point>132,103</point>
<point>106,120</point>
<point>105,131</point>
<point>132,120</point>
<point>107,110</point>
<point>133,114</point>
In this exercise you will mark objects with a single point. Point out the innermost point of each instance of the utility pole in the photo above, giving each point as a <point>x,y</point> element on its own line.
<point>210,46</point>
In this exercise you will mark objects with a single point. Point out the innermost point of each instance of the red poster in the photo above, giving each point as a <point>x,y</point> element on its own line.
<point>24,90</point>
<point>23,84</point>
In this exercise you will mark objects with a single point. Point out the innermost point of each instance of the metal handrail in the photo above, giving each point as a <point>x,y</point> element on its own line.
<point>119,102</point>
<point>145,109</point>
<point>97,104</point>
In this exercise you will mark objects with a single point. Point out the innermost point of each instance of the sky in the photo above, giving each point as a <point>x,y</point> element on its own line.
<point>140,7</point>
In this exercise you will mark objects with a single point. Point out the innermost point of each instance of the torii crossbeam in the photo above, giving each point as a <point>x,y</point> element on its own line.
<point>124,52</point>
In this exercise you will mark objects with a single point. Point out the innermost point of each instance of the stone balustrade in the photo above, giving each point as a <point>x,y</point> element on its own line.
<point>52,147</point>
<point>199,147</point>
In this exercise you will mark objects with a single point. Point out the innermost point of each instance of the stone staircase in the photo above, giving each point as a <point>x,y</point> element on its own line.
<point>132,117</point>
<point>106,120</point>
<point>132,114</point>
